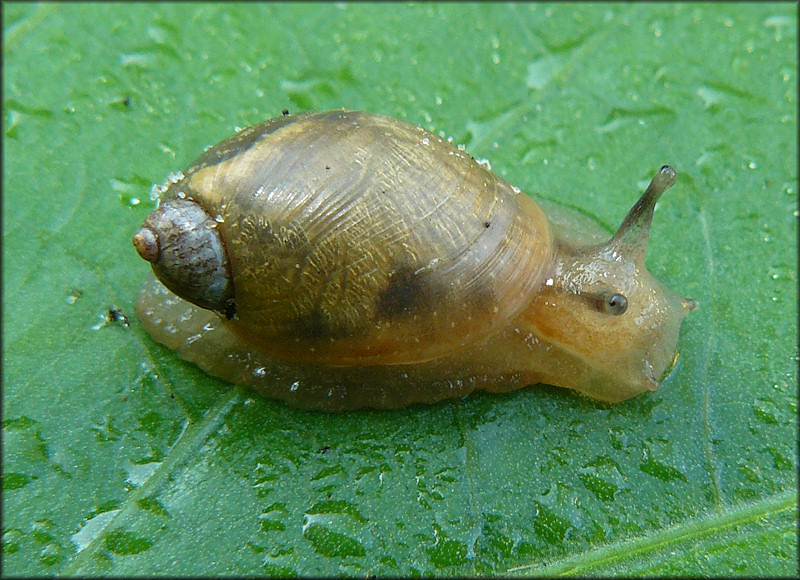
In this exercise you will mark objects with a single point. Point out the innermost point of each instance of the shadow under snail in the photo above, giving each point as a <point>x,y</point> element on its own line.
<point>342,259</point>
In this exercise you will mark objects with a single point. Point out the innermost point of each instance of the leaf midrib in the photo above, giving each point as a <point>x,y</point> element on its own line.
<point>192,439</point>
<point>585,563</point>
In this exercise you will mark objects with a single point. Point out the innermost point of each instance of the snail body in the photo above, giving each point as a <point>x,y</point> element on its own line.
<point>342,259</point>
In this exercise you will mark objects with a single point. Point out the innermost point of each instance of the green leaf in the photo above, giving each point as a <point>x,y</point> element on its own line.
<point>120,459</point>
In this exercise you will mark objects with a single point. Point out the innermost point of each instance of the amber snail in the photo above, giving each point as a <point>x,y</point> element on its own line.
<point>343,259</point>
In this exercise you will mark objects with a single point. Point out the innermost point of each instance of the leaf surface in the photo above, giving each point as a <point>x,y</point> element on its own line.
<point>120,459</point>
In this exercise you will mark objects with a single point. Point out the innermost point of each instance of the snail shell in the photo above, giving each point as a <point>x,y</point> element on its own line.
<point>343,259</point>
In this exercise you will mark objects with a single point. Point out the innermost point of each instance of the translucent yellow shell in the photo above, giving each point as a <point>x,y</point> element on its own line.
<point>354,260</point>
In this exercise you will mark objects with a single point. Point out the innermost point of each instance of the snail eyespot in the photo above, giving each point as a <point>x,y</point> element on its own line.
<point>616,304</point>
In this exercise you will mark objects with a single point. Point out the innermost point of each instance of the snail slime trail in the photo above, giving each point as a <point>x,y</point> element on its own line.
<point>342,259</point>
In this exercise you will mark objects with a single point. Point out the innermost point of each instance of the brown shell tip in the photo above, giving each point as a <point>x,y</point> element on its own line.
<point>146,243</point>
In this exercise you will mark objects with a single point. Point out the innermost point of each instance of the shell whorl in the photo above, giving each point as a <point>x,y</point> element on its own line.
<point>359,239</point>
<point>183,245</point>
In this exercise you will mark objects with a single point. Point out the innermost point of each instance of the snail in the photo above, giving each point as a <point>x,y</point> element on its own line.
<point>342,259</point>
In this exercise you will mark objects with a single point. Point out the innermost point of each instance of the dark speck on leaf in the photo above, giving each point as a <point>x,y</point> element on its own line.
<point>115,315</point>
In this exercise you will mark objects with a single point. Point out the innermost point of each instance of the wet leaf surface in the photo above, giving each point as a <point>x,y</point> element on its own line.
<point>120,459</point>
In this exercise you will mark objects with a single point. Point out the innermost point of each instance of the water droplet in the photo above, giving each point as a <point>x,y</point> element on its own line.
<point>136,60</point>
<point>484,163</point>
<point>156,191</point>
<point>765,411</point>
<point>126,543</point>
<point>104,319</point>
<point>710,96</point>
<point>175,176</point>
<point>92,529</point>
<point>138,475</point>
<point>661,470</point>
<point>541,71</point>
